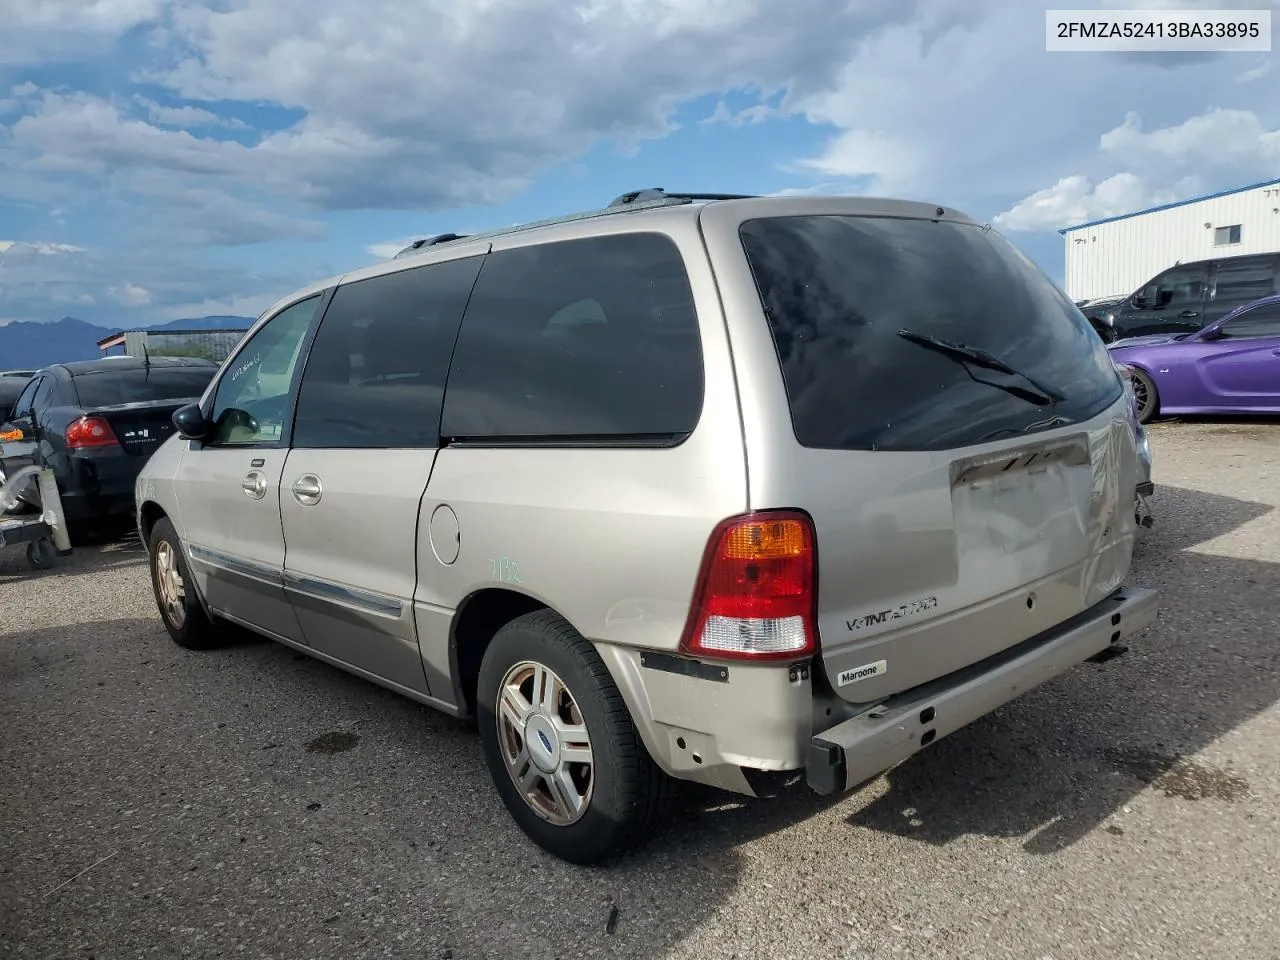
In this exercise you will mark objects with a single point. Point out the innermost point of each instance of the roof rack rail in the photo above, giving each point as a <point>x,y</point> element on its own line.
<point>431,242</point>
<point>657,193</point>
<point>636,200</point>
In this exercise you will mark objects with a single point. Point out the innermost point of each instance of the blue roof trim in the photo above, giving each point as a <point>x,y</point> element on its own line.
<point>1169,206</point>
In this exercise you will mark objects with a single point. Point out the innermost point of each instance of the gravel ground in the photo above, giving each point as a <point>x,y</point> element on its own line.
<point>253,802</point>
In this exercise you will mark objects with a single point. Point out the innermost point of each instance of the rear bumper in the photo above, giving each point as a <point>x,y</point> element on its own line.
<point>863,747</point>
<point>97,485</point>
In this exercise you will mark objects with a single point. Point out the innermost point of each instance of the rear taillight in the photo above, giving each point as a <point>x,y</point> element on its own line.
<point>756,597</point>
<point>90,432</point>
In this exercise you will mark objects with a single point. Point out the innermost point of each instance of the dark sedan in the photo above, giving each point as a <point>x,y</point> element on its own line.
<point>96,423</point>
<point>11,384</point>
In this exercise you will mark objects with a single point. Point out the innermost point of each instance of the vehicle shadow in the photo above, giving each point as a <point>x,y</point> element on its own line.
<point>322,812</point>
<point>102,551</point>
<point>1055,764</point>
<point>313,806</point>
<point>1253,426</point>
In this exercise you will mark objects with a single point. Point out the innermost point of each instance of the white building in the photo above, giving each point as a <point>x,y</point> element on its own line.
<point>1115,256</point>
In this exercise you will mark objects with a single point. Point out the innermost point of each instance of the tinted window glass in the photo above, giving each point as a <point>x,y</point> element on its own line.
<point>253,396</point>
<point>1260,322</point>
<point>838,290</point>
<point>1182,287</point>
<point>44,392</point>
<point>22,406</point>
<point>593,338</point>
<point>104,388</point>
<point>375,374</point>
<point>1244,278</point>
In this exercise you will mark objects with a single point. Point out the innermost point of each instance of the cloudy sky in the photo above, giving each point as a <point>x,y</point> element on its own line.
<point>173,158</point>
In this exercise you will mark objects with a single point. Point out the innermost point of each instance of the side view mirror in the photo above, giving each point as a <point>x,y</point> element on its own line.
<point>1139,302</point>
<point>190,422</point>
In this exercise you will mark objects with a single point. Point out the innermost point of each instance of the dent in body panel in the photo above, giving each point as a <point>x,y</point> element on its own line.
<point>433,623</point>
<point>979,563</point>
<point>378,642</point>
<point>760,718</point>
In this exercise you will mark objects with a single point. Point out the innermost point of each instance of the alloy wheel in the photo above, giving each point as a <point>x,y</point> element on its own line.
<point>545,743</point>
<point>169,585</point>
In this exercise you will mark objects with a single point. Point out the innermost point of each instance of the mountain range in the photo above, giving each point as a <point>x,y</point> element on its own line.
<point>27,346</point>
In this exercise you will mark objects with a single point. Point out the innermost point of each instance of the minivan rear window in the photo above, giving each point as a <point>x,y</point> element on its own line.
<point>867,315</point>
<point>106,388</point>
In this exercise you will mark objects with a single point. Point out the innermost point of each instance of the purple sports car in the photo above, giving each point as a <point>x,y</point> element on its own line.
<point>1230,366</point>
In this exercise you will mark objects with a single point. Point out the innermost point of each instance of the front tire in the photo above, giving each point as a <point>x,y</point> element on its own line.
<point>1145,396</point>
<point>174,589</point>
<point>561,747</point>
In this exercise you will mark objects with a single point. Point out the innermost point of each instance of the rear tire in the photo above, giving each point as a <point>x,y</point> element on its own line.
<point>1148,400</point>
<point>174,589</point>
<point>561,747</point>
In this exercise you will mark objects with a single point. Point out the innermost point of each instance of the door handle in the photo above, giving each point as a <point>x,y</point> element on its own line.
<point>254,485</point>
<point>307,490</point>
<point>1188,314</point>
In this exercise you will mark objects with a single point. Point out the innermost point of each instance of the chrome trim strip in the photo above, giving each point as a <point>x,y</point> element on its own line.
<point>236,565</point>
<point>374,603</point>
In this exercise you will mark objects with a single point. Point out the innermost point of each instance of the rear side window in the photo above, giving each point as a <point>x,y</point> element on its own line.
<point>593,340</point>
<point>1258,323</point>
<point>105,388</point>
<point>1245,278</point>
<point>43,393</point>
<point>375,375</point>
<point>23,406</point>
<point>849,300</point>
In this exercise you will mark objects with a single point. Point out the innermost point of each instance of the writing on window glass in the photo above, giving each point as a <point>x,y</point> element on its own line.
<point>245,367</point>
<point>504,570</point>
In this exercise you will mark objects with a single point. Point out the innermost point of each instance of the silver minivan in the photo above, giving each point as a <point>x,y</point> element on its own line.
<point>732,490</point>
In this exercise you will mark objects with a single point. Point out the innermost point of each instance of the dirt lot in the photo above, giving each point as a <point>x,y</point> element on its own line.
<point>252,802</point>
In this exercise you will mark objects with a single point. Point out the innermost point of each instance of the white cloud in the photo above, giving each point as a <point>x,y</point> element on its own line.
<point>187,116</point>
<point>747,116</point>
<point>37,286</point>
<point>962,105</point>
<point>446,104</point>
<point>1076,199</point>
<point>130,295</point>
<point>38,247</point>
<point>1216,138</point>
<point>433,104</point>
<point>894,163</point>
<point>1255,73</point>
<point>389,248</point>
<point>1228,147</point>
<point>826,188</point>
<point>36,30</point>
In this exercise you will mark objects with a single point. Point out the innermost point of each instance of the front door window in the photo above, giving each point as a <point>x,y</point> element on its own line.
<point>252,399</point>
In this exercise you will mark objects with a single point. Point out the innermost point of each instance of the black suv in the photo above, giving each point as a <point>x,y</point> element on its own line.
<point>1188,296</point>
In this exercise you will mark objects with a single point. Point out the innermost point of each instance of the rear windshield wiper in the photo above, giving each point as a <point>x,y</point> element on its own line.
<point>1043,395</point>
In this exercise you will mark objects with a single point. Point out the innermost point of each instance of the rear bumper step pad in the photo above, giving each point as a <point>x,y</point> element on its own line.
<point>862,747</point>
